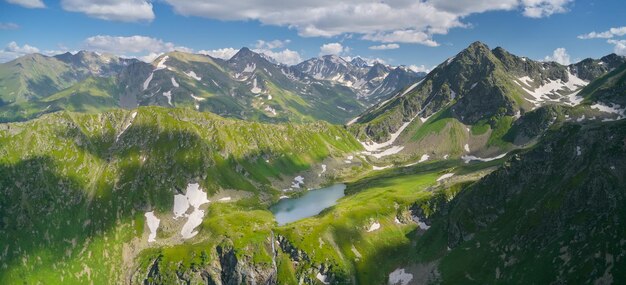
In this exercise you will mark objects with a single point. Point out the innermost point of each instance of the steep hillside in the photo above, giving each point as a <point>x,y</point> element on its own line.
<point>467,105</point>
<point>37,76</point>
<point>556,211</point>
<point>79,191</point>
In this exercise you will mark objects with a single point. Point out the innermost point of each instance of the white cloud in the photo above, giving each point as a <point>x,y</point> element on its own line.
<point>25,49</point>
<point>13,51</point>
<point>385,47</point>
<point>620,46</point>
<point>333,48</point>
<point>612,32</point>
<point>559,55</point>
<point>544,8</point>
<point>131,44</point>
<point>368,60</point>
<point>383,21</point>
<point>114,10</point>
<point>223,53</point>
<point>261,44</point>
<point>28,3</point>
<point>9,26</point>
<point>403,36</point>
<point>286,56</point>
<point>419,68</point>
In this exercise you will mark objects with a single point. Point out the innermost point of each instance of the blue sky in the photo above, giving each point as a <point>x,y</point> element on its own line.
<point>420,33</point>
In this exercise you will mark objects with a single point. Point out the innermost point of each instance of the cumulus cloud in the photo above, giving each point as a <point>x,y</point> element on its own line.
<point>286,56</point>
<point>419,68</point>
<point>385,47</point>
<point>620,46</point>
<point>612,32</point>
<point>114,10</point>
<point>261,44</point>
<point>559,55</point>
<point>223,53</point>
<point>28,3</point>
<point>131,44</point>
<point>544,8</point>
<point>9,26</point>
<point>333,48</point>
<point>13,51</point>
<point>382,21</point>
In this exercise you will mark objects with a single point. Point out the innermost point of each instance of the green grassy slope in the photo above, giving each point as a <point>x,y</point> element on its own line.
<point>553,214</point>
<point>75,187</point>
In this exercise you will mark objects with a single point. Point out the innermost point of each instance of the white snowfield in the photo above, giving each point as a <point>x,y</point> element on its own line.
<point>255,88</point>
<point>251,67</point>
<point>551,88</point>
<point>421,224</point>
<point>193,75</point>
<point>174,83</point>
<point>197,98</point>
<point>468,158</point>
<point>160,65</point>
<point>168,95</point>
<point>424,157</point>
<point>153,225</point>
<point>445,176</point>
<point>381,167</point>
<point>400,277</point>
<point>322,278</point>
<point>613,109</point>
<point>373,227</point>
<point>297,182</point>
<point>130,122</point>
<point>194,197</point>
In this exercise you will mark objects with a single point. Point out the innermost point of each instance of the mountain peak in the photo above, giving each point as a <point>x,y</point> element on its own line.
<point>359,62</point>
<point>478,45</point>
<point>244,54</point>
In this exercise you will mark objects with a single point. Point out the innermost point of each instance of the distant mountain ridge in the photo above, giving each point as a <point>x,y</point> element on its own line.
<point>249,85</point>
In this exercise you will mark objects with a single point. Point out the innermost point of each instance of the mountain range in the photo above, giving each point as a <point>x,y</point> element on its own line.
<point>491,169</point>
<point>247,86</point>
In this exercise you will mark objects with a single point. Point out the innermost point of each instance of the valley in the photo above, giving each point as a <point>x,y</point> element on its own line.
<point>198,170</point>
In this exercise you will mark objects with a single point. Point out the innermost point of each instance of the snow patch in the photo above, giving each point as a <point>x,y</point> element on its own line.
<point>168,95</point>
<point>468,158</point>
<point>419,223</point>
<point>323,170</point>
<point>445,176</point>
<point>381,167</point>
<point>130,122</point>
<point>161,64</point>
<point>197,98</point>
<point>193,75</point>
<point>174,83</point>
<point>373,227</point>
<point>250,68</point>
<point>147,82</point>
<point>578,151</point>
<point>153,225</point>
<point>423,158</point>
<point>466,147</point>
<point>225,199</point>
<point>195,198</point>
<point>270,110</point>
<point>552,87</point>
<point>400,277</point>
<point>255,89</point>
<point>322,278</point>
<point>297,182</point>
